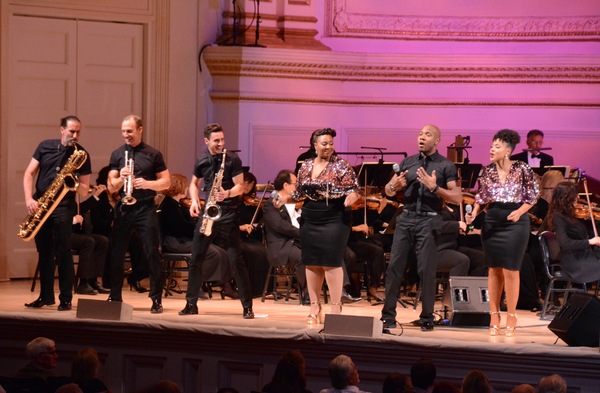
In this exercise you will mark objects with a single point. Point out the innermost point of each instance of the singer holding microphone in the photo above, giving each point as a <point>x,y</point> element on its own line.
<point>427,178</point>
<point>329,186</point>
<point>509,189</point>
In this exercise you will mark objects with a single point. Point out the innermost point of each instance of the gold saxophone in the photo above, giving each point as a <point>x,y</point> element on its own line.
<point>64,182</point>
<point>212,211</point>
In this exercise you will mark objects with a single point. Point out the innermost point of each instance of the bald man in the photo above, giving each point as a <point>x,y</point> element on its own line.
<point>426,179</point>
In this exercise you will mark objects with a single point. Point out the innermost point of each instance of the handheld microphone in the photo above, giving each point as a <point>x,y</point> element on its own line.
<point>469,210</point>
<point>396,168</point>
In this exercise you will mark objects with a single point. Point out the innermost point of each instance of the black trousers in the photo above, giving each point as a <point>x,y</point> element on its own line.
<point>92,250</point>
<point>53,242</point>
<point>412,230</point>
<point>225,234</point>
<point>143,218</point>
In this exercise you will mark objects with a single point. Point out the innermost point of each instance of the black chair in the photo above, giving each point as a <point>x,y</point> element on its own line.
<point>550,249</point>
<point>286,272</point>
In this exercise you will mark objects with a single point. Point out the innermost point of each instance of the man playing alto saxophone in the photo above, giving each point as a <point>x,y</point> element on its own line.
<point>223,229</point>
<point>53,240</point>
<point>147,175</point>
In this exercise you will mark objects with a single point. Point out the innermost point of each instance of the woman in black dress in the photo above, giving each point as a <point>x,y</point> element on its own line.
<point>579,259</point>
<point>329,186</point>
<point>510,190</point>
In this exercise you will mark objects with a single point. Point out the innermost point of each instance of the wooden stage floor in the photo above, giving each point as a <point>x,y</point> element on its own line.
<point>534,352</point>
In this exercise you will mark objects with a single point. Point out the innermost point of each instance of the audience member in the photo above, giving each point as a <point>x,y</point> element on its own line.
<point>396,383</point>
<point>476,382</point>
<point>85,369</point>
<point>422,375</point>
<point>523,388</point>
<point>445,387</point>
<point>344,376</point>
<point>552,384</point>
<point>163,386</point>
<point>227,390</point>
<point>289,375</point>
<point>69,388</point>
<point>43,358</point>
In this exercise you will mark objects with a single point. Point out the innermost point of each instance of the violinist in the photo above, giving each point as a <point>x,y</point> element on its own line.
<point>253,250</point>
<point>580,255</point>
<point>177,229</point>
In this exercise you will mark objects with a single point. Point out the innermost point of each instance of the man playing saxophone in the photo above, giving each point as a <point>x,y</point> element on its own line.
<point>223,179</point>
<point>144,168</point>
<point>53,238</point>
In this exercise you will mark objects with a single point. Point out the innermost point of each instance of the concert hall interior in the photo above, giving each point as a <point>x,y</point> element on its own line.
<point>271,72</point>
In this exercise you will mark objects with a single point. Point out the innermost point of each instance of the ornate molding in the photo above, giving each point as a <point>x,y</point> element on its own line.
<point>398,103</point>
<point>341,23</point>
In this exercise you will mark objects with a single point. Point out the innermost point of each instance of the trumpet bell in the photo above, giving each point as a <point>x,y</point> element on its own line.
<point>128,200</point>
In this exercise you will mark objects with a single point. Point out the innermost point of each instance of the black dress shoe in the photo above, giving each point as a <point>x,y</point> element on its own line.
<point>417,323</point>
<point>39,303</point>
<point>64,306</point>
<point>427,326</point>
<point>388,323</point>
<point>96,285</point>
<point>157,307</point>
<point>84,288</point>
<point>248,313</point>
<point>347,298</point>
<point>189,309</point>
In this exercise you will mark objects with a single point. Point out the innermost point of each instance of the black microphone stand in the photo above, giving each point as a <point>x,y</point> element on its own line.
<point>258,21</point>
<point>236,24</point>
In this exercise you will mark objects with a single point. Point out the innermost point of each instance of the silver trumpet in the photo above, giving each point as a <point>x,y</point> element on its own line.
<point>128,199</point>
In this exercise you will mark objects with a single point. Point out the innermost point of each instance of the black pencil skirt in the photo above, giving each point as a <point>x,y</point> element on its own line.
<point>504,242</point>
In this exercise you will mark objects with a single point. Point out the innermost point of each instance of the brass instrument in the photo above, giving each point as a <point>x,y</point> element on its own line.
<point>128,199</point>
<point>212,211</point>
<point>64,182</point>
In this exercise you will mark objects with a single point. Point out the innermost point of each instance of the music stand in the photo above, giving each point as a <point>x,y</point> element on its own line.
<point>375,174</point>
<point>469,175</point>
<point>564,169</point>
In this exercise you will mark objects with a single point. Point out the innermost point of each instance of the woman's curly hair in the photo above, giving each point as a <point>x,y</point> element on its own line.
<point>510,137</point>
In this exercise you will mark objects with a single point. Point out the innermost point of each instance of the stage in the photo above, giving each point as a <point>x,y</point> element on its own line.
<point>219,348</point>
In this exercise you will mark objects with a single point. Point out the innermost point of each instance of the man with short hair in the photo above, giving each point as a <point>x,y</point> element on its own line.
<point>533,156</point>
<point>344,376</point>
<point>148,175</point>
<point>53,241</point>
<point>223,231</point>
<point>422,375</point>
<point>43,359</point>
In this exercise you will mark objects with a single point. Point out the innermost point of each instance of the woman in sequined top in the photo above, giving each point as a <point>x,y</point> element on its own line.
<point>328,186</point>
<point>509,190</point>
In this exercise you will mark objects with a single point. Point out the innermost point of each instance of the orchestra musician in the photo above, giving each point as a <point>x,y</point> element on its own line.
<point>253,249</point>
<point>145,171</point>
<point>580,255</point>
<point>533,156</point>
<point>225,231</point>
<point>427,179</point>
<point>328,185</point>
<point>509,188</point>
<point>54,237</point>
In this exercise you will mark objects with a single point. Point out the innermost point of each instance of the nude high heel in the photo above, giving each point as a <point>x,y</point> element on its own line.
<point>495,329</point>
<point>317,317</point>
<point>510,330</point>
<point>334,306</point>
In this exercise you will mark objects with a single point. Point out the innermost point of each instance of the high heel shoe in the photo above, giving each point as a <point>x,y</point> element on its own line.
<point>510,330</point>
<point>135,285</point>
<point>317,317</point>
<point>334,306</point>
<point>373,297</point>
<point>495,329</point>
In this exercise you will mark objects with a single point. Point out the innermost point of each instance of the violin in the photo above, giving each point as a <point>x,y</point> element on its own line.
<point>583,212</point>
<point>372,203</point>
<point>253,201</point>
<point>185,202</point>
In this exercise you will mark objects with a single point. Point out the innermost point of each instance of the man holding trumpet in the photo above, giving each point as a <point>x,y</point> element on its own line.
<point>139,171</point>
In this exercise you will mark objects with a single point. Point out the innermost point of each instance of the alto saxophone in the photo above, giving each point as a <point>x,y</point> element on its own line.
<point>64,182</point>
<point>212,211</point>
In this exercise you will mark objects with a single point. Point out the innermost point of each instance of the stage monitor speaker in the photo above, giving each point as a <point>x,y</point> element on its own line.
<point>352,325</point>
<point>578,322</point>
<point>469,301</point>
<point>102,309</point>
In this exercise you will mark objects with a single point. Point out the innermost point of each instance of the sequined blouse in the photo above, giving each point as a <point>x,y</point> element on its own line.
<point>520,185</point>
<point>337,180</point>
